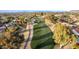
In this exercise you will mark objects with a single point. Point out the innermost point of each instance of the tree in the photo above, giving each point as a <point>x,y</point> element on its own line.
<point>21,18</point>
<point>10,18</point>
<point>54,18</point>
<point>63,36</point>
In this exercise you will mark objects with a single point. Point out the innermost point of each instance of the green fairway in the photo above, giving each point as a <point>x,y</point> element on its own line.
<point>42,37</point>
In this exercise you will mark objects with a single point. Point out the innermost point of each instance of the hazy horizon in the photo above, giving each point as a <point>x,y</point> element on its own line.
<point>13,11</point>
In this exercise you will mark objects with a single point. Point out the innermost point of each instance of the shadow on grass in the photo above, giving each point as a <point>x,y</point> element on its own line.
<point>47,44</point>
<point>43,40</point>
<point>41,27</point>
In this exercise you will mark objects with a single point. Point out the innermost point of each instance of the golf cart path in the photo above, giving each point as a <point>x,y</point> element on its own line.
<point>49,23</point>
<point>27,44</point>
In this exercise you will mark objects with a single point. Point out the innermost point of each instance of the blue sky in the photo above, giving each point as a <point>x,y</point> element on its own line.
<point>3,11</point>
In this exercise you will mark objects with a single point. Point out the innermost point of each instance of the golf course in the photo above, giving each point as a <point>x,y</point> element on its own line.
<point>42,37</point>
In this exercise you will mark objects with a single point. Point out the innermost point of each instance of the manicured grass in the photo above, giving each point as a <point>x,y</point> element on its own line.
<point>42,37</point>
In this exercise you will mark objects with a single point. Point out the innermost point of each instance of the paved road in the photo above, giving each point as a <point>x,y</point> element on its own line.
<point>29,39</point>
